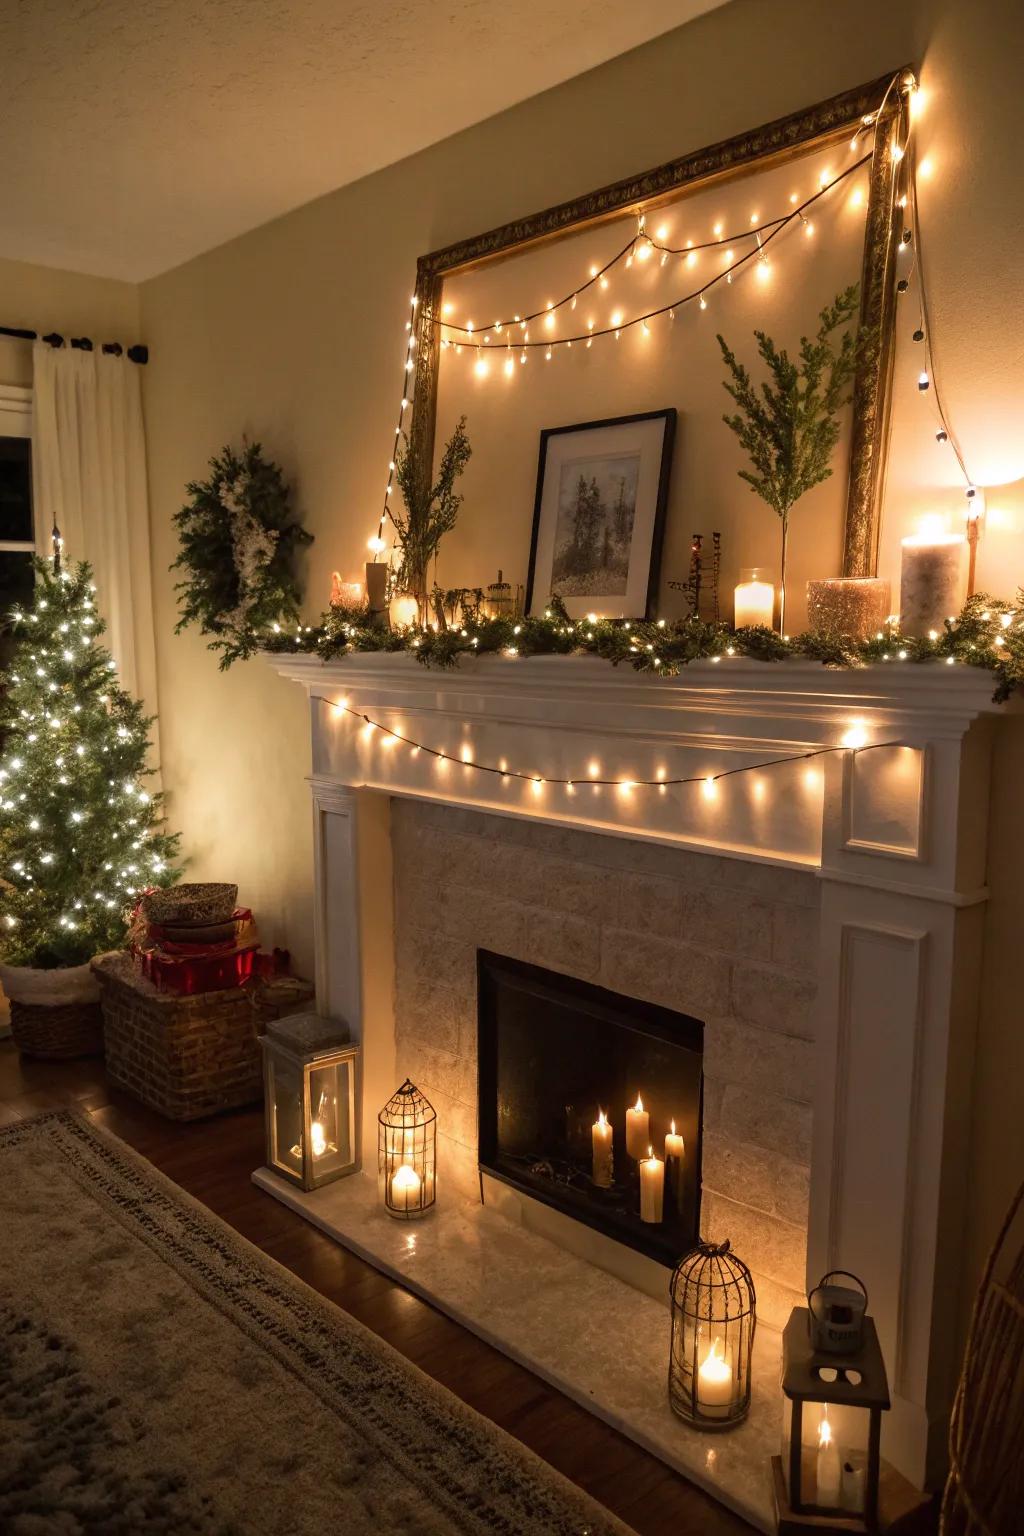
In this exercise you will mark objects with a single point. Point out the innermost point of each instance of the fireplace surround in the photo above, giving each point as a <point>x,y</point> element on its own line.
<point>823,921</point>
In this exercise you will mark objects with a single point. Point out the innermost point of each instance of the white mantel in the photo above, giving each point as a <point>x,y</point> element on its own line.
<point>897,836</point>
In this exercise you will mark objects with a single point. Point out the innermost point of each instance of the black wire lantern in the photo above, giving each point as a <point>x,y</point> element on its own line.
<point>713,1321</point>
<point>407,1153</point>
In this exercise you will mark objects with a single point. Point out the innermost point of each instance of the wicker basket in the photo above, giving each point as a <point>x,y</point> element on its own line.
<point>57,1031</point>
<point>55,1013</point>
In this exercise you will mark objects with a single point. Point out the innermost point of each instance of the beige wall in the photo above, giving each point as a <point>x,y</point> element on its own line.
<point>290,334</point>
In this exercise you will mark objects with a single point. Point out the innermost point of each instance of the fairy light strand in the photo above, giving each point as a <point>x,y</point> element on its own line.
<point>852,743</point>
<point>756,253</point>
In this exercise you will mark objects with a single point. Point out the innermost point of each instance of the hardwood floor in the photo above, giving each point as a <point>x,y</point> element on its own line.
<point>213,1160</point>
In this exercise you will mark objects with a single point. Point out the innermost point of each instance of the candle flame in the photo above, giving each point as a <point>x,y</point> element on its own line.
<point>639,1106</point>
<point>824,1430</point>
<point>673,1131</point>
<point>602,1118</point>
<point>715,1352</point>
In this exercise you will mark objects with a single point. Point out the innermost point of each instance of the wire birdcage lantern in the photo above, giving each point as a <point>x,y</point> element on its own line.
<point>713,1321</point>
<point>407,1153</point>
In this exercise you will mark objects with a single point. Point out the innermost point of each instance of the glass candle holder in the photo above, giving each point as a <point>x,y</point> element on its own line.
<point>848,605</point>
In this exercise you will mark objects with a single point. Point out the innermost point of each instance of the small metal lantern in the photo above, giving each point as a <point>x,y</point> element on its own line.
<point>835,1477</point>
<point>713,1321</point>
<point>837,1314</point>
<point>309,1099</point>
<point>407,1153</point>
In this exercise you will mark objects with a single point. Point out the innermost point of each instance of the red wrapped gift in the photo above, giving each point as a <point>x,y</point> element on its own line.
<point>214,970</point>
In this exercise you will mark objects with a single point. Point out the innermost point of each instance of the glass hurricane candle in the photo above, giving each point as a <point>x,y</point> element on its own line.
<point>848,605</point>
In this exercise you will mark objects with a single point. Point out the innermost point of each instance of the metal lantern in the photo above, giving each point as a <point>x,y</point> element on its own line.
<point>309,1099</point>
<point>407,1153</point>
<point>834,1476</point>
<point>713,1322</point>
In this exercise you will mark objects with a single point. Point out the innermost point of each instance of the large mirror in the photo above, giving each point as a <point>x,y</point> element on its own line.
<point>757,233</point>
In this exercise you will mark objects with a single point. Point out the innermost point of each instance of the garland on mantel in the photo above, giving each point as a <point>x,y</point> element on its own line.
<point>988,633</point>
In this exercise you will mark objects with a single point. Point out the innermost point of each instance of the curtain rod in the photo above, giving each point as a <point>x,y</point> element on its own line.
<point>137,354</point>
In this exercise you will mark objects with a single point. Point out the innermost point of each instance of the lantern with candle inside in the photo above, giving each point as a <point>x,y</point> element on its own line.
<point>828,1473</point>
<point>407,1153</point>
<point>754,599</point>
<point>713,1321</point>
<point>309,1070</point>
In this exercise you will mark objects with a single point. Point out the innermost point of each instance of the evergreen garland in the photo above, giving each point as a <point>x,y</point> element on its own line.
<point>239,542</point>
<point>80,835</point>
<point>989,633</point>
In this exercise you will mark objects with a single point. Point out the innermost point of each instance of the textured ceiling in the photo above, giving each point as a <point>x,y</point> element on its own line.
<point>138,133</point>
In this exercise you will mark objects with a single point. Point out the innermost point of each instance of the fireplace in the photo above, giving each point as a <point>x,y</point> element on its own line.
<point>554,1054</point>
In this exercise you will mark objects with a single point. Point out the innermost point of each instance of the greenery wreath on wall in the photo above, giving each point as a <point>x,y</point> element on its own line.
<point>239,543</point>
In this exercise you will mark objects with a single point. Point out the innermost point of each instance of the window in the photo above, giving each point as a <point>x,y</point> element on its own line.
<point>17,533</point>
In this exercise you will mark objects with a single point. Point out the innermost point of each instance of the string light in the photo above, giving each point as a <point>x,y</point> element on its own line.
<point>854,740</point>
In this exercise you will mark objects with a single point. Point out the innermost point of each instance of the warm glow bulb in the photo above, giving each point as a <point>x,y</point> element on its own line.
<point>376,544</point>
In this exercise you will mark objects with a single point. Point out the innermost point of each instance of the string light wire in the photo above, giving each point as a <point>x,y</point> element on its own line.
<point>503,771</point>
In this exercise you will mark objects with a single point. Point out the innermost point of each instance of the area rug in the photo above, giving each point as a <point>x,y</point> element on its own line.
<point>159,1374</point>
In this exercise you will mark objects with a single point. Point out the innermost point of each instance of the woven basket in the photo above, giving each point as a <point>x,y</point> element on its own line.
<point>54,1013</point>
<point>57,1031</point>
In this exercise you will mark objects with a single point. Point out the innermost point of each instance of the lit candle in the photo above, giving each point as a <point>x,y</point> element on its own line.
<point>829,1467</point>
<point>403,611</point>
<point>714,1383</point>
<point>602,1135</point>
<point>933,581</point>
<point>638,1130</point>
<point>345,594</point>
<point>652,1187</point>
<point>753,600</point>
<point>405,1188</point>
<point>317,1139</point>
<point>675,1149</point>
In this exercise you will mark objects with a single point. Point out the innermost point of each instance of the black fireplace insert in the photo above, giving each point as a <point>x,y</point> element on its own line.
<point>555,1056</point>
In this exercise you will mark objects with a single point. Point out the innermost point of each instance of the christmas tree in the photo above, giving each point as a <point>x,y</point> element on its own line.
<point>80,835</point>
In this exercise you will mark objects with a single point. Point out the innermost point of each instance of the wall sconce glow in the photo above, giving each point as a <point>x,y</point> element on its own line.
<point>855,737</point>
<point>709,788</point>
<point>467,755</point>
<point>593,768</point>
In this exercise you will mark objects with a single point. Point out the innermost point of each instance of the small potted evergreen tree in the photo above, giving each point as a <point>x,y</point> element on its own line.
<point>81,837</point>
<point>788,426</point>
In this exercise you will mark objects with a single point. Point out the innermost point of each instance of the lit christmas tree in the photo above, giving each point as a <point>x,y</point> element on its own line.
<point>80,835</point>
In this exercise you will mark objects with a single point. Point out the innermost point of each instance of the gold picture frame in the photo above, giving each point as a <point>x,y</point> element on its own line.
<point>787,138</point>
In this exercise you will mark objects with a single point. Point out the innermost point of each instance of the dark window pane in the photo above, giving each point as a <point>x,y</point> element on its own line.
<point>16,581</point>
<point>15,488</point>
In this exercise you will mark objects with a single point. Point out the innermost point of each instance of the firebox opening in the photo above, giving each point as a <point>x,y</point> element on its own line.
<point>554,1055</point>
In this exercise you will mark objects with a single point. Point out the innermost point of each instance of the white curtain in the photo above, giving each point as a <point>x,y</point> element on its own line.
<point>89,476</point>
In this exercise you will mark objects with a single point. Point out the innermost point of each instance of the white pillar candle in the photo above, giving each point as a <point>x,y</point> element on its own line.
<point>933,581</point>
<point>754,601</point>
<point>602,1136</point>
<point>714,1382</point>
<point>829,1467</point>
<point>638,1130</point>
<point>405,1189</point>
<point>852,1489</point>
<point>674,1144</point>
<point>652,1187</point>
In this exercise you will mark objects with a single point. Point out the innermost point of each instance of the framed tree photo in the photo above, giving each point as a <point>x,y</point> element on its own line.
<point>599,515</point>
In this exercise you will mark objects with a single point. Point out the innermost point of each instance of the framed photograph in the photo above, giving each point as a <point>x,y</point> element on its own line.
<point>599,515</point>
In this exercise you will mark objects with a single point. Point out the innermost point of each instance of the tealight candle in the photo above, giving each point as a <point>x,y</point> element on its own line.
<point>933,581</point>
<point>405,1188</point>
<point>652,1187</point>
<point>602,1137</point>
<point>753,600</point>
<point>638,1130</point>
<point>714,1383</point>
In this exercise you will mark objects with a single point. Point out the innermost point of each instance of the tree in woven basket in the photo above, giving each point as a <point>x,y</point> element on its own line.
<point>81,836</point>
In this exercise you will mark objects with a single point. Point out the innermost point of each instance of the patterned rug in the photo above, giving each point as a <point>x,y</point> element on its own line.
<point>159,1374</point>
